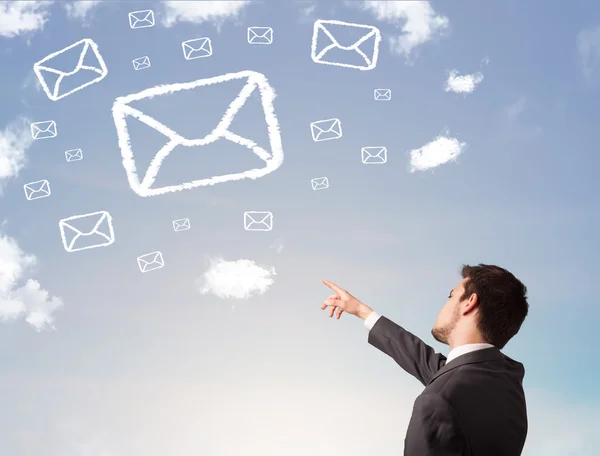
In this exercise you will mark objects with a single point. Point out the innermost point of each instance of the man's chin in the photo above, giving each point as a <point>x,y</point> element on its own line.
<point>438,335</point>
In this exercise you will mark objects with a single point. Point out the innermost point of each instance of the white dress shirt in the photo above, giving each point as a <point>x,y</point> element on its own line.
<point>454,353</point>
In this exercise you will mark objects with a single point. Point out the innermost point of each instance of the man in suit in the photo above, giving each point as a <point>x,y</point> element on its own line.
<point>473,403</point>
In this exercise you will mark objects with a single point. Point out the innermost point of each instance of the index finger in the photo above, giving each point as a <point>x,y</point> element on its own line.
<point>333,286</point>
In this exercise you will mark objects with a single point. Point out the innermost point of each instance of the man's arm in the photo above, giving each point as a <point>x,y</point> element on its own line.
<point>411,353</point>
<point>434,429</point>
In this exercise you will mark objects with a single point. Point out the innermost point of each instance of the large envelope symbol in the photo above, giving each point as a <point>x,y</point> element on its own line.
<point>37,189</point>
<point>88,231</point>
<point>258,221</point>
<point>44,130</point>
<point>77,53</point>
<point>323,130</point>
<point>141,63</point>
<point>374,155</point>
<point>319,183</point>
<point>151,261</point>
<point>181,224</point>
<point>273,159</point>
<point>322,33</point>
<point>197,48</point>
<point>141,19</point>
<point>383,94</point>
<point>260,35</point>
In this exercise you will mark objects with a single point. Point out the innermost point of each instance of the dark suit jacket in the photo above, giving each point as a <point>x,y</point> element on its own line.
<point>472,406</point>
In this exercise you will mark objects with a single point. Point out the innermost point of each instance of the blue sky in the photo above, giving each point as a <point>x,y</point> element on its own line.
<point>99,359</point>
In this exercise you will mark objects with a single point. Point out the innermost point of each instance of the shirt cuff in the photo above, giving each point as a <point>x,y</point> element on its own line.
<point>371,320</point>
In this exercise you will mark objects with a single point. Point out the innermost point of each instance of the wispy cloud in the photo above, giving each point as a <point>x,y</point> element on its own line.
<point>514,110</point>
<point>485,60</point>
<point>23,17</point>
<point>81,9</point>
<point>588,49</point>
<point>200,12</point>
<point>418,22</point>
<point>23,300</point>
<point>437,152</point>
<point>462,84</point>
<point>277,245</point>
<point>15,139</point>
<point>235,279</point>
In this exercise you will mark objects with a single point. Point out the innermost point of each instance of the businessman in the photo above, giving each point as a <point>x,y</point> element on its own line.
<point>473,403</point>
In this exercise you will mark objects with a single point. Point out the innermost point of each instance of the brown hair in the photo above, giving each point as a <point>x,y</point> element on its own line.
<point>502,300</point>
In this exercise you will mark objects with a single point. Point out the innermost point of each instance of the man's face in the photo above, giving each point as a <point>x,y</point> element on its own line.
<point>449,315</point>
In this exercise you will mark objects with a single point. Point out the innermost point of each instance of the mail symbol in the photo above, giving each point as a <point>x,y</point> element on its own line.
<point>383,94</point>
<point>260,35</point>
<point>323,33</point>
<point>151,261</point>
<point>319,183</point>
<point>36,190</point>
<point>87,231</point>
<point>74,155</point>
<point>255,83</point>
<point>323,130</point>
<point>197,48</point>
<point>141,63</point>
<point>374,155</point>
<point>258,221</point>
<point>86,67</point>
<point>181,224</point>
<point>141,19</point>
<point>44,130</point>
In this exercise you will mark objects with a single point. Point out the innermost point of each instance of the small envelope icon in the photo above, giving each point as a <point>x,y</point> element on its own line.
<point>141,19</point>
<point>374,155</point>
<point>197,48</point>
<point>319,183</point>
<point>323,130</point>
<point>141,63</point>
<point>382,94</point>
<point>85,66</point>
<point>74,155</point>
<point>44,130</point>
<point>258,221</point>
<point>260,35</point>
<point>324,40</point>
<point>181,224</point>
<point>87,231</point>
<point>36,190</point>
<point>151,261</point>
<point>255,84</point>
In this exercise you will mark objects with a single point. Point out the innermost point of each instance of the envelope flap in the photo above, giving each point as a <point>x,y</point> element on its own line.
<point>66,60</point>
<point>90,224</point>
<point>197,45</point>
<point>345,35</point>
<point>261,32</point>
<point>37,186</point>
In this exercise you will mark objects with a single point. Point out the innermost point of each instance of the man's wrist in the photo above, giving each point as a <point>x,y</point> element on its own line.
<point>364,311</point>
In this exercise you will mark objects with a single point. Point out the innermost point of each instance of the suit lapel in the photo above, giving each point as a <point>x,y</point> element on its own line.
<point>477,356</point>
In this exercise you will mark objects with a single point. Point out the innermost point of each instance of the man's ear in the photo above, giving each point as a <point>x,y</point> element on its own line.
<point>471,304</point>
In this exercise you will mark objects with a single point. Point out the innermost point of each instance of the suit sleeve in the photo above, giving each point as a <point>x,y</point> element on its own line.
<point>411,353</point>
<point>434,429</point>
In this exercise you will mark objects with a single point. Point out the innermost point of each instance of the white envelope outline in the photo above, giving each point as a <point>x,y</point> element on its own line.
<point>181,224</point>
<point>44,130</point>
<point>382,94</point>
<point>141,63</point>
<point>96,73</point>
<point>258,221</point>
<point>150,261</point>
<point>141,19</point>
<point>320,29</point>
<point>74,155</point>
<point>36,190</point>
<point>323,130</point>
<point>103,237</point>
<point>197,48</point>
<point>260,35</point>
<point>319,183</point>
<point>374,155</point>
<point>254,80</point>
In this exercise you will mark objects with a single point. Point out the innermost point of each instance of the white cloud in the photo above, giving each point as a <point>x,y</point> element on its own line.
<point>588,48</point>
<point>23,300</point>
<point>80,9</point>
<point>201,11</point>
<point>462,84</point>
<point>15,139</point>
<point>437,152</point>
<point>514,110</point>
<point>236,279</point>
<point>417,20</point>
<point>22,17</point>
<point>485,60</point>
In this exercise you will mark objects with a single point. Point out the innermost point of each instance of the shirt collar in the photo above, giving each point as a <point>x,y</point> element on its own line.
<point>467,348</point>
